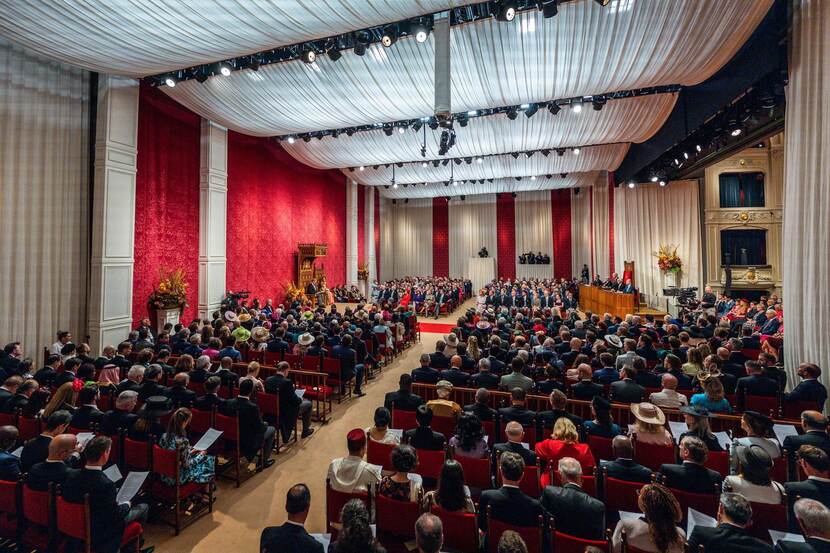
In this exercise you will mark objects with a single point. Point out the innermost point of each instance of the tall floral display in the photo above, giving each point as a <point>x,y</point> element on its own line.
<point>670,264</point>
<point>169,298</point>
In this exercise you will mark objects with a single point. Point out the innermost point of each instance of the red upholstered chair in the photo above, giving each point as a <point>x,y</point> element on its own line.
<point>444,425</point>
<point>271,357</point>
<point>166,464</point>
<point>28,427</point>
<point>384,350</point>
<point>253,355</point>
<point>768,516</point>
<point>532,535</point>
<point>73,522</point>
<point>460,529</point>
<point>589,481</point>
<point>477,472</point>
<point>137,454</point>
<point>601,448</point>
<point>292,360</point>
<point>780,468</point>
<point>396,518</point>
<point>7,419</point>
<point>8,508</point>
<point>620,495</point>
<point>201,420</point>
<point>331,367</point>
<point>653,455</point>
<point>269,404</point>
<point>405,420</point>
<point>489,428</point>
<point>718,461</point>
<point>530,479</point>
<point>38,517</point>
<point>565,543</point>
<point>229,426</point>
<point>706,503</point>
<point>197,387</point>
<point>793,409</point>
<point>763,404</point>
<point>430,462</point>
<point>311,362</point>
<point>334,503</point>
<point>379,454</point>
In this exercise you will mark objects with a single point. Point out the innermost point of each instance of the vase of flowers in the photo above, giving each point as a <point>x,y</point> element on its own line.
<point>670,264</point>
<point>169,298</point>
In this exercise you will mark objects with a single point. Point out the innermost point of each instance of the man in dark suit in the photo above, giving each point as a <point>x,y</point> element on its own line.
<point>9,389</point>
<point>68,373</point>
<point>756,384</point>
<point>55,468</point>
<point>809,389</point>
<point>586,388</point>
<point>771,324</point>
<point>403,399</point>
<point>225,372</point>
<point>484,378</point>
<point>122,416</point>
<point>255,437</point>
<point>20,400</point>
<point>573,510</point>
<point>509,504</point>
<point>178,392</point>
<point>517,410</point>
<point>37,449</point>
<point>813,519</point>
<point>46,375</point>
<point>691,475</point>
<point>200,373</point>
<point>135,375</point>
<point>425,374</point>
<point>424,437</point>
<point>277,343</point>
<point>481,407</point>
<point>211,399</point>
<point>108,519</point>
<point>515,436</point>
<point>623,467</point>
<point>626,390</point>
<point>292,536</point>
<point>558,401</point>
<point>730,535</point>
<point>9,464</point>
<point>454,374</point>
<point>349,367</point>
<point>497,366</point>
<point>816,465</point>
<point>291,405</point>
<point>814,425</point>
<point>87,413</point>
<point>150,385</point>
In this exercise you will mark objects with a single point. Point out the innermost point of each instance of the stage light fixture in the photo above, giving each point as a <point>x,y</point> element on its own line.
<point>515,155</point>
<point>308,55</point>
<point>436,162</point>
<point>576,151</point>
<point>554,108</point>
<point>390,36</point>
<point>401,130</point>
<point>654,178</point>
<point>576,107</point>
<point>170,81</point>
<point>334,54</point>
<point>224,69</point>
<point>698,148</point>
<point>395,185</point>
<point>291,140</point>
<point>662,183</point>
<point>513,194</point>
<point>533,177</point>
<point>202,75</point>
<point>349,132</point>
<point>505,10</point>
<point>563,175</point>
<point>417,126</point>
<point>598,103</point>
<point>529,153</point>
<point>388,130</point>
<point>512,113</point>
<point>254,63</point>
<point>631,184</point>
<point>463,197</point>
<point>433,124</point>
<point>546,153</point>
<point>560,152</point>
<point>531,110</point>
<point>479,159</point>
<point>468,160</point>
<point>736,131</point>
<point>685,155</point>
<point>549,8</point>
<point>420,31</point>
<point>424,164</point>
<point>455,182</point>
<point>360,49</point>
<point>361,168</point>
<point>472,113</point>
<point>603,2</point>
<point>307,138</point>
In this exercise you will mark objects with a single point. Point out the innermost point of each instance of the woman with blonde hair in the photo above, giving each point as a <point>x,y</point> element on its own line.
<point>564,442</point>
<point>253,374</point>
<point>473,351</point>
<point>649,427</point>
<point>656,531</point>
<point>62,399</point>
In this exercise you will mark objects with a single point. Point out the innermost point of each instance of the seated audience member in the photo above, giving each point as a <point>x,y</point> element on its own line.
<point>673,366</point>
<point>46,375</point>
<point>816,465</point>
<point>484,378</point>
<point>9,389</point>
<point>55,468</point>
<point>509,504</point>
<point>602,424</point>
<point>429,533</point>
<point>693,364</point>
<point>649,425</point>
<point>225,372</point>
<point>713,398</point>
<point>813,519</point>
<point>691,475</point>
<point>656,531</point>
<point>150,385</point>
<point>756,384</point>
<point>512,542</point>
<point>135,376</point>
<point>36,449</point>
<point>758,430</point>
<point>352,473</point>
<point>356,535</point>
<point>148,426</point>
<point>350,367</point>
<point>108,519</point>
<point>576,513</point>
<point>752,478</point>
<point>469,438</point>
<point>291,406</point>
<point>252,374</point>
<point>110,376</point>
<point>66,372</point>
<point>423,437</point>
<point>628,356</point>
<point>9,464</point>
<point>275,538</point>
<point>443,406</point>
<point>194,466</point>
<point>255,436</point>
<point>586,388</point>
<point>809,389</point>
<point>814,425</point>
<point>425,374</point>
<point>122,416</point>
<point>211,398</point>
<point>517,410</point>
<point>399,485</point>
<point>22,399</point>
<point>450,494</point>
<point>558,403</point>
<point>515,433</point>
<point>62,400</point>
<point>697,422</point>
<point>229,350</point>
<point>730,535</point>
<point>87,412</point>
<point>403,398</point>
<point>437,359</point>
<point>668,398</point>
<point>564,442</point>
<point>481,408</point>
<point>626,390</point>
<point>454,374</point>
<point>202,370</point>
<point>623,467</point>
<point>608,373</point>
<point>380,431</point>
<point>516,379</point>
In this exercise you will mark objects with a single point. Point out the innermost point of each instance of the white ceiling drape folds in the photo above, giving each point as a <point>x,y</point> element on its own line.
<point>587,49</point>
<point>573,180</point>
<point>596,158</point>
<point>143,37</point>
<point>625,120</point>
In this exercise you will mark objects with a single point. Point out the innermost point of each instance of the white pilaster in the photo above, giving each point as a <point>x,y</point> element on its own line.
<point>213,199</point>
<point>113,226</point>
<point>351,232</point>
<point>371,260</point>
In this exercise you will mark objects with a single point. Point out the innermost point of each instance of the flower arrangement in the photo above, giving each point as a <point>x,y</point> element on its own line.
<point>668,260</point>
<point>293,292</point>
<point>363,271</point>
<point>171,291</point>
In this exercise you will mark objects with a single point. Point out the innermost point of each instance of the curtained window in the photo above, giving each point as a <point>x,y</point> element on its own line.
<point>741,189</point>
<point>743,247</point>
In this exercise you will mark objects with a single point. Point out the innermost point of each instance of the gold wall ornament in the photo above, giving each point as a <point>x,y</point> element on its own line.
<point>750,274</point>
<point>744,216</point>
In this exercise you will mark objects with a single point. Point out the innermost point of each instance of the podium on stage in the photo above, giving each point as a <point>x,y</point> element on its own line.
<point>481,271</point>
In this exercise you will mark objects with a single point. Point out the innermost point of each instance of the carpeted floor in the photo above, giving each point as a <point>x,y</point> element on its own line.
<point>437,328</point>
<point>240,514</point>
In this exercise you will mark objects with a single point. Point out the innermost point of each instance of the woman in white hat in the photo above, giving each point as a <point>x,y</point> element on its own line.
<point>451,347</point>
<point>304,340</point>
<point>649,427</point>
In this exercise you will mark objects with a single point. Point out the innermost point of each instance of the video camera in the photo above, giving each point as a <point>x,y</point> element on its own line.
<point>232,299</point>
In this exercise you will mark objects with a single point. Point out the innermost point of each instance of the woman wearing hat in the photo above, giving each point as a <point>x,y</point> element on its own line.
<point>260,336</point>
<point>451,347</point>
<point>602,424</point>
<point>149,417</point>
<point>649,428</point>
<point>752,478</point>
<point>304,341</point>
<point>697,420</point>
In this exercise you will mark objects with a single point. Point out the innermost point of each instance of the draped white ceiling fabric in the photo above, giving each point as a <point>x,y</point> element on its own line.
<point>472,224</point>
<point>498,185</point>
<point>587,49</point>
<point>625,120</point>
<point>410,227</point>
<point>143,37</point>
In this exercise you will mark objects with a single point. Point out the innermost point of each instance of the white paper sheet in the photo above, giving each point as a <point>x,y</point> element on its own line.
<point>678,428</point>
<point>625,515</point>
<point>113,473</point>
<point>525,445</point>
<point>17,452</point>
<point>696,518</point>
<point>300,392</point>
<point>207,439</point>
<point>778,536</point>
<point>398,432</point>
<point>784,430</point>
<point>415,478</point>
<point>131,486</point>
<point>723,440</point>
<point>83,438</point>
<point>325,539</point>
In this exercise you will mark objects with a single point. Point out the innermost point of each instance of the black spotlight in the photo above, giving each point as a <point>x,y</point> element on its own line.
<point>419,31</point>
<point>529,153</point>
<point>436,162</point>
<point>359,49</point>
<point>349,132</point>
<point>554,108</point>
<point>515,155</point>
<point>308,55</point>
<point>334,54</point>
<point>563,175</point>
<point>463,120</point>
<point>202,75</point>
<point>549,8</point>
<point>254,63</point>
<point>505,10</point>
<point>433,124</point>
<point>388,130</point>
<point>576,191</point>
<point>463,197</point>
<point>512,113</point>
<point>390,36</point>
<point>394,202</point>
<point>546,153</point>
<point>598,102</point>
<point>560,151</point>
<point>531,110</point>
<point>513,194</point>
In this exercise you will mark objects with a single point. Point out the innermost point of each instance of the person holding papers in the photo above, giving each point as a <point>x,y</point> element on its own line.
<point>291,405</point>
<point>752,479</point>
<point>656,531</point>
<point>814,520</point>
<point>55,468</point>
<point>697,421</point>
<point>194,466</point>
<point>730,535</point>
<point>108,517</point>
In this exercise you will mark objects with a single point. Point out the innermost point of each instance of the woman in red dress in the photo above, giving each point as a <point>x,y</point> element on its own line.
<point>564,442</point>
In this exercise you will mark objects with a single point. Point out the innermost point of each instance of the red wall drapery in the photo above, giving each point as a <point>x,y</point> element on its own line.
<point>562,243</point>
<point>166,198</point>
<point>440,237</point>
<point>275,202</point>
<point>506,235</point>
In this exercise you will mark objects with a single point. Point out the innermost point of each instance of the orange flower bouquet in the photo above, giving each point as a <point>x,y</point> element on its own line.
<point>171,292</point>
<point>667,259</point>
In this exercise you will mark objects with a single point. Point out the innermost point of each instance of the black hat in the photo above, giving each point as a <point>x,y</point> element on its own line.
<point>694,411</point>
<point>754,456</point>
<point>156,406</point>
<point>758,416</point>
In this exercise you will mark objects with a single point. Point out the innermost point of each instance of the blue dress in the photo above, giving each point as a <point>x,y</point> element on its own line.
<point>700,400</point>
<point>194,467</point>
<point>593,429</point>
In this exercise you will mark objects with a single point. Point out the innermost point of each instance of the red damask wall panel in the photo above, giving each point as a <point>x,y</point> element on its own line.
<point>506,235</point>
<point>167,198</point>
<point>275,202</point>
<point>440,237</point>
<point>562,243</point>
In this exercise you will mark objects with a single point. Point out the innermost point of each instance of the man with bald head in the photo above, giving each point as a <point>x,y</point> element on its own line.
<point>668,398</point>
<point>454,374</point>
<point>814,425</point>
<point>55,468</point>
<point>515,436</point>
<point>9,464</point>
<point>429,533</point>
<point>623,467</point>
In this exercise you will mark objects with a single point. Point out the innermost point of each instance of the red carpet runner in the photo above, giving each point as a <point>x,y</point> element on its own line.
<point>439,328</point>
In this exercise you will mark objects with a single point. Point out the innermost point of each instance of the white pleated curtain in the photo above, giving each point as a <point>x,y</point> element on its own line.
<point>601,221</point>
<point>386,261</point>
<point>410,227</point>
<point>472,225</point>
<point>649,216</point>
<point>534,232</point>
<point>806,255</point>
<point>44,231</point>
<point>580,230</point>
